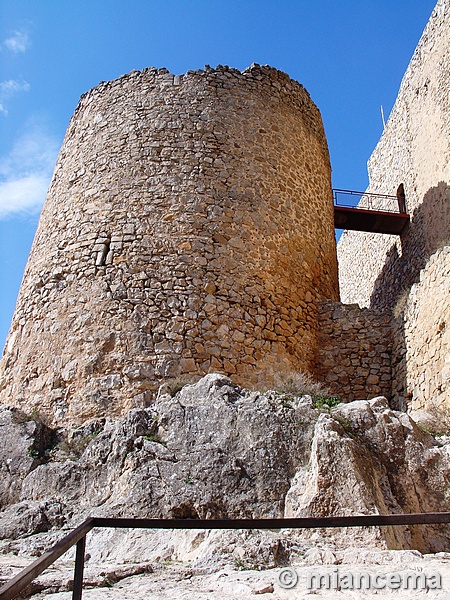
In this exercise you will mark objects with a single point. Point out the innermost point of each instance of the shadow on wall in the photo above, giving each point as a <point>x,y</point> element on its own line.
<point>428,230</point>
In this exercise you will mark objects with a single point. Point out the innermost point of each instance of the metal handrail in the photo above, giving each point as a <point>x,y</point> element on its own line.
<point>15,586</point>
<point>356,193</point>
<point>369,196</point>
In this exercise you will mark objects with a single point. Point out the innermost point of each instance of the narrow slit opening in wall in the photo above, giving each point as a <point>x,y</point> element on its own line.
<point>103,254</point>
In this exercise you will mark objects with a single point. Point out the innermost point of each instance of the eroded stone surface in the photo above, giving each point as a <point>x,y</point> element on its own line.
<point>23,440</point>
<point>171,579</point>
<point>216,450</point>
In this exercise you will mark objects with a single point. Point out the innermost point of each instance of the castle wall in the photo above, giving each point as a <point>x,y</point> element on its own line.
<point>354,351</point>
<point>421,369</point>
<point>382,271</point>
<point>188,228</point>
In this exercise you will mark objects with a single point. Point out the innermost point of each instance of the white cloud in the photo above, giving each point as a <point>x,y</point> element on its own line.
<point>8,89</point>
<point>19,41</point>
<point>26,171</point>
<point>11,86</point>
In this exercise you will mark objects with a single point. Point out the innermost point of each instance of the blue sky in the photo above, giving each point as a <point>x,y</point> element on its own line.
<point>349,54</point>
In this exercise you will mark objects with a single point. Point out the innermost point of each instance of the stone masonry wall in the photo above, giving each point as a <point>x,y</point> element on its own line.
<point>188,228</point>
<point>354,351</point>
<point>381,271</point>
<point>414,149</point>
<point>421,371</point>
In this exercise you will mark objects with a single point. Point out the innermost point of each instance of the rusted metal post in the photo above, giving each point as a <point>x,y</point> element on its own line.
<point>12,588</point>
<point>79,568</point>
<point>401,199</point>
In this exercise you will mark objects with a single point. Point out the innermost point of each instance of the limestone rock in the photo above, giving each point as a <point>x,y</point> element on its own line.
<point>27,518</point>
<point>368,459</point>
<point>23,442</point>
<point>215,450</point>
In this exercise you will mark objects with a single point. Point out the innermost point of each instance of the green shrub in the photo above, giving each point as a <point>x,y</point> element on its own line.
<point>299,384</point>
<point>72,448</point>
<point>323,401</point>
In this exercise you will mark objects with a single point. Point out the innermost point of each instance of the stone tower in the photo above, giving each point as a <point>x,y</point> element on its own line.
<point>188,228</point>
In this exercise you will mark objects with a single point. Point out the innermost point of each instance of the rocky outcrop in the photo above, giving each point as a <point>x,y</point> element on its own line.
<point>28,518</point>
<point>216,450</point>
<point>23,441</point>
<point>213,450</point>
<point>368,459</point>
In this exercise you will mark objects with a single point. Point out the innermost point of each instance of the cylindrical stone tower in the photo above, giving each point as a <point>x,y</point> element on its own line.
<point>188,228</point>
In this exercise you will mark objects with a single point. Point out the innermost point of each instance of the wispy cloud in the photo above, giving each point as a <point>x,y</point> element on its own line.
<point>19,41</point>
<point>25,172</point>
<point>8,89</point>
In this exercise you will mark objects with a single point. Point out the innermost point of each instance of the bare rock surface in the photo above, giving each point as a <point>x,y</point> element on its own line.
<point>23,441</point>
<point>215,450</point>
<point>27,518</point>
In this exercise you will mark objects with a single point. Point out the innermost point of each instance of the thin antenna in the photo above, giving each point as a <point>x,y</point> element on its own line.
<point>382,116</point>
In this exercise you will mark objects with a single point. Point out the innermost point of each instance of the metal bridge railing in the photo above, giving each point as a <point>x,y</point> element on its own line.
<point>366,201</point>
<point>15,586</point>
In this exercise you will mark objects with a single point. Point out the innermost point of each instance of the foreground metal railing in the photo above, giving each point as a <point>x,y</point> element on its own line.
<point>367,201</point>
<point>16,585</point>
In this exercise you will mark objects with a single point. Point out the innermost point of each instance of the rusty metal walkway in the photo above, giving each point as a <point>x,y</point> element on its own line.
<point>374,213</point>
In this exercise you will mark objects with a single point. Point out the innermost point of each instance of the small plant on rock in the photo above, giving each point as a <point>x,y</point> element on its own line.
<point>154,437</point>
<point>299,384</point>
<point>320,402</point>
<point>175,384</point>
<point>239,564</point>
<point>72,448</point>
